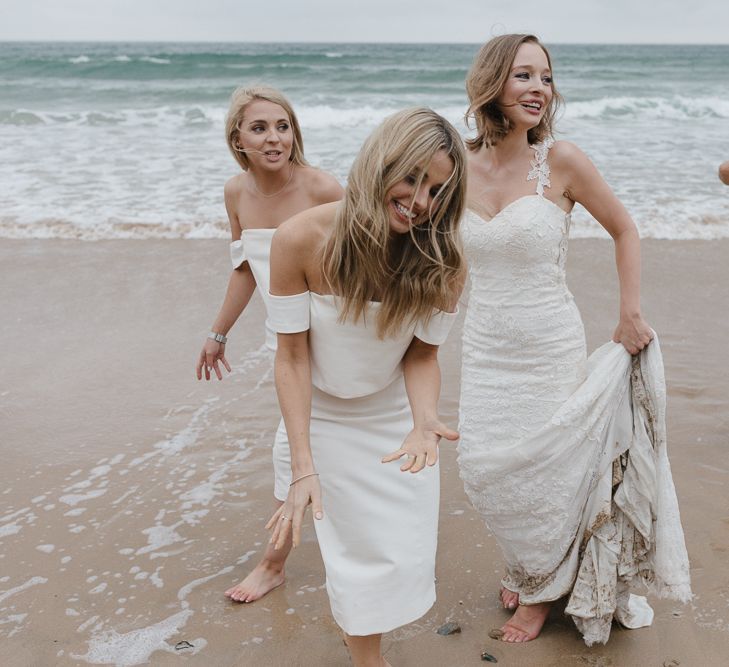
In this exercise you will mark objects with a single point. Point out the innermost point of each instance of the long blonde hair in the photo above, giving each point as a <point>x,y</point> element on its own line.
<point>239,100</point>
<point>485,81</point>
<point>411,273</point>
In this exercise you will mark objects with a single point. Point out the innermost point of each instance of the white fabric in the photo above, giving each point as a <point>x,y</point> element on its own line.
<point>563,456</point>
<point>435,331</point>
<point>289,314</point>
<point>254,247</point>
<point>347,359</point>
<point>379,532</point>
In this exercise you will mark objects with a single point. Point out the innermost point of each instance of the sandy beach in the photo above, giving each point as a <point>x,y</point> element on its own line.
<point>133,495</point>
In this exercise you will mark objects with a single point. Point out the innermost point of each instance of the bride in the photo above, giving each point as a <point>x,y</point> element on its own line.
<point>563,456</point>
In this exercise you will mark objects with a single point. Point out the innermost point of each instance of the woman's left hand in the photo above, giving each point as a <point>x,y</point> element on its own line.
<point>421,446</point>
<point>633,333</point>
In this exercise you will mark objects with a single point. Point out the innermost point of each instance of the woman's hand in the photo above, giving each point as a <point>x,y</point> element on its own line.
<point>290,515</point>
<point>633,333</point>
<point>212,353</point>
<point>421,446</point>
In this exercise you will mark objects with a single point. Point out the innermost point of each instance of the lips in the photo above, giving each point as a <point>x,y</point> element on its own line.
<point>533,106</point>
<point>406,214</point>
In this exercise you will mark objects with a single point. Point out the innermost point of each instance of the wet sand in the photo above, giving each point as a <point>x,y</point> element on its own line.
<point>133,495</point>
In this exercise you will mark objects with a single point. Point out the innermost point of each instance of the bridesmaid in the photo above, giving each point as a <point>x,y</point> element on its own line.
<point>363,292</point>
<point>263,134</point>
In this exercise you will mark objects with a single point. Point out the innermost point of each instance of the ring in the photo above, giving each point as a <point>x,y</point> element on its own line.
<point>284,517</point>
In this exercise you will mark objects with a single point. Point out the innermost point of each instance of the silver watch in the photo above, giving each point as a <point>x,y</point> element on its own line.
<point>217,337</point>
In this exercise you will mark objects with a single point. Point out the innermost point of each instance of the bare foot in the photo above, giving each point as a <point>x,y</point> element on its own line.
<point>526,623</point>
<point>263,579</point>
<point>509,599</point>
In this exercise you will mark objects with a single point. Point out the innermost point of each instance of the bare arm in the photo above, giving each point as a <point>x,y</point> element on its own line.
<point>292,372</point>
<point>587,186</point>
<point>422,383</point>
<point>240,289</point>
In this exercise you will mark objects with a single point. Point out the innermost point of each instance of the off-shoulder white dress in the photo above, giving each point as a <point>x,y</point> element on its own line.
<point>254,247</point>
<point>563,455</point>
<point>379,531</point>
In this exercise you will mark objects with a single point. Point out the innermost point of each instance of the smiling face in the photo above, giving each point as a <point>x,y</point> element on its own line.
<point>265,135</point>
<point>528,89</point>
<point>409,201</point>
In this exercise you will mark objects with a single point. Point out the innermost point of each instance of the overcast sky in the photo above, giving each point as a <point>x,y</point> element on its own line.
<point>555,21</point>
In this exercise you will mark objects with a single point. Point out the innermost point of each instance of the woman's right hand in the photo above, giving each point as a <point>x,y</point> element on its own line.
<point>212,353</point>
<point>290,515</point>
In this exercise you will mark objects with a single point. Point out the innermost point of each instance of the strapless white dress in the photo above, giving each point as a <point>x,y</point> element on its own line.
<point>379,531</point>
<point>563,456</point>
<point>254,247</point>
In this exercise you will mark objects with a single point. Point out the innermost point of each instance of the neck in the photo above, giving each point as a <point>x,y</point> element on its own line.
<point>511,146</point>
<point>271,182</point>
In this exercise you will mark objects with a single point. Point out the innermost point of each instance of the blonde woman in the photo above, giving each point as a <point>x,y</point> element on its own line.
<point>563,456</point>
<point>363,292</point>
<point>264,137</point>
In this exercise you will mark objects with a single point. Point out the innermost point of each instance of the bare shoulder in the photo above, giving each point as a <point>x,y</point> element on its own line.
<point>322,185</point>
<point>569,164</point>
<point>563,153</point>
<point>305,232</point>
<point>234,185</point>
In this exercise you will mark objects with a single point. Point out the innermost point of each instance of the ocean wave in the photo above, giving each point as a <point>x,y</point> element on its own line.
<point>670,108</point>
<point>78,60</point>
<point>312,117</point>
<point>156,61</point>
<point>152,117</point>
<point>113,230</point>
<point>705,226</point>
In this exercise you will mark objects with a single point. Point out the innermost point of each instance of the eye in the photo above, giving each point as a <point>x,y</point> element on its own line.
<point>410,179</point>
<point>547,79</point>
<point>435,191</point>
<point>522,75</point>
<point>257,128</point>
<point>283,127</point>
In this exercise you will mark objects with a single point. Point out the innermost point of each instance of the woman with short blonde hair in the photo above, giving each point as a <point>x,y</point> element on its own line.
<point>276,182</point>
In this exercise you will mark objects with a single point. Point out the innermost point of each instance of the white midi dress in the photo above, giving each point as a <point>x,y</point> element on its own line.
<point>564,456</point>
<point>254,247</point>
<point>379,531</point>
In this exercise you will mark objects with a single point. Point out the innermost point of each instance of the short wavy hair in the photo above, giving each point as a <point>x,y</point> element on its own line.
<point>240,99</point>
<point>485,81</point>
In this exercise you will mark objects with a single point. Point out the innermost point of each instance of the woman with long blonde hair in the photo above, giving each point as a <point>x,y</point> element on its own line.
<point>362,294</point>
<point>563,456</point>
<point>275,183</point>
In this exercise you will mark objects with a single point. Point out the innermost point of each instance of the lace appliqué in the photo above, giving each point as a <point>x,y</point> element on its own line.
<point>540,167</point>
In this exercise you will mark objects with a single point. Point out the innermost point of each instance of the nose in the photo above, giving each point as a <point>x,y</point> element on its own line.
<point>272,136</point>
<point>420,198</point>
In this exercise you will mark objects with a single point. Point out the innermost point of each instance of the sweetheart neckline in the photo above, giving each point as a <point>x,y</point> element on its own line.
<point>515,201</point>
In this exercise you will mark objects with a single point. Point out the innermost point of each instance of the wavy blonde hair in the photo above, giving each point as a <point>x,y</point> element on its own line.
<point>485,81</point>
<point>414,273</point>
<point>239,100</point>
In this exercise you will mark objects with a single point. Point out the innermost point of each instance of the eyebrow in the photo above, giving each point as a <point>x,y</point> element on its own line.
<point>263,120</point>
<point>547,69</point>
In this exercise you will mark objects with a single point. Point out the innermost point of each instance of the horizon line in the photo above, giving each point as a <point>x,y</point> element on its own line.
<point>316,42</point>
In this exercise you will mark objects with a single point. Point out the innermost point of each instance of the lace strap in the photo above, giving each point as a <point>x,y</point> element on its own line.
<point>540,167</point>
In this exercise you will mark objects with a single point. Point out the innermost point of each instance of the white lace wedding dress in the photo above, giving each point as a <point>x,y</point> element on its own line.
<point>563,456</point>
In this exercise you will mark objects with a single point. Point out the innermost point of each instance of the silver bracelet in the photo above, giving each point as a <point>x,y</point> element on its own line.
<point>311,474</point>
<point>218,337</point>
